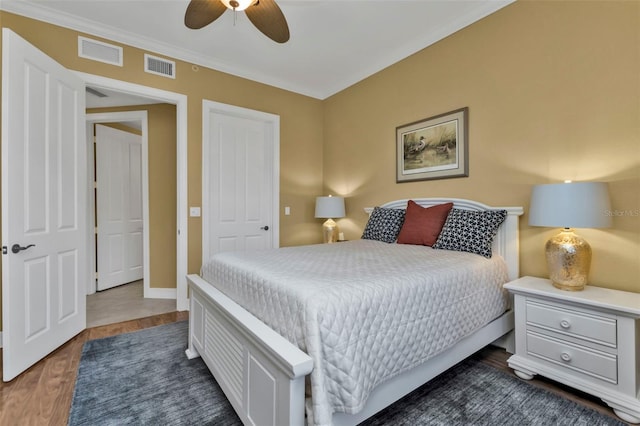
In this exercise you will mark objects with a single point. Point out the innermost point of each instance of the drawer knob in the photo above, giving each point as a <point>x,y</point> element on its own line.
<point>565,324</point>
<point>565,357</point>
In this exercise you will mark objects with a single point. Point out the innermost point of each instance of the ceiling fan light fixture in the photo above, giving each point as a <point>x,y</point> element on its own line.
<point>267,18</point>
<point>238,5</point>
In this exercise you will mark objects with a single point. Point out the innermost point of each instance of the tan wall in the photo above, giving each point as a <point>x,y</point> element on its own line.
<point>162,190</point>
<point>553,90</point>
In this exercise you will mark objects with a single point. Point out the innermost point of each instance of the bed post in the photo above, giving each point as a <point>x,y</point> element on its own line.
<point>507,241</point>
<point>196,323</point>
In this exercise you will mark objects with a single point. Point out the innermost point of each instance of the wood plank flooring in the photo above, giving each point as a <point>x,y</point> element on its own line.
<point>42,395</point>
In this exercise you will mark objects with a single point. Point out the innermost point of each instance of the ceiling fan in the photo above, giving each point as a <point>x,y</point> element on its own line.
<point>264,14</point>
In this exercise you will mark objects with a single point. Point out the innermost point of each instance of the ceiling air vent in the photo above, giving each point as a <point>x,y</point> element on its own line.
<point>99,51</point>
<point>159,66</point>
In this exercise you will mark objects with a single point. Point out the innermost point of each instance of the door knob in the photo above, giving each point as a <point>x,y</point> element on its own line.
<point>17,249</point>
<point>266,227</point>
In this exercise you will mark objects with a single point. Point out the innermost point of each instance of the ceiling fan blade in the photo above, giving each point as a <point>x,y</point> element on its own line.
<point>268,18</point>
<point>203,12</point>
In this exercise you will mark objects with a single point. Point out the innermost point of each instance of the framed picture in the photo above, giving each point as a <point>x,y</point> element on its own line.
<point>434,148</point>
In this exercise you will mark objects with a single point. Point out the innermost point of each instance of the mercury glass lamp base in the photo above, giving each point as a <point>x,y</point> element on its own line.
<point>330,231</point>
<point>568,259</point>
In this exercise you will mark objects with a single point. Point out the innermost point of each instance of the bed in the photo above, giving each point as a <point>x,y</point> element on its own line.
<point>331,334</point>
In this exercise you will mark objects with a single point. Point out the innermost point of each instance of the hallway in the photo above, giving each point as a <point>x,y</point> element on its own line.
<point>124,303</point>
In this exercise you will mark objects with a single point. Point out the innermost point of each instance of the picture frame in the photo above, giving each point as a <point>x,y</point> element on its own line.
<point>434,148</point>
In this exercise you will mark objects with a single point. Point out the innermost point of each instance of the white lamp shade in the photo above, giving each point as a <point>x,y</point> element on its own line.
<point>570,205</point>
<point>329,207</point>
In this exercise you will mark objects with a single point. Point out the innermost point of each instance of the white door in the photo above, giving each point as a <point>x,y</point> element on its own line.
<point>44,193</point>
<point>118,206</point>
<point>239,175</point>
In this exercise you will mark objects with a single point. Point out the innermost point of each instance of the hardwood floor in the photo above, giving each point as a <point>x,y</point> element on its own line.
<point>42,395</point>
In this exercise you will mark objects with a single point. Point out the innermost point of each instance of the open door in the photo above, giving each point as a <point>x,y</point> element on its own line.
<point>44,202</point>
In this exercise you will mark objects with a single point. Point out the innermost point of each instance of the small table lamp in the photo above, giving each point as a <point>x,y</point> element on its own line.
<point>569,205</point>
<point>329,208</point>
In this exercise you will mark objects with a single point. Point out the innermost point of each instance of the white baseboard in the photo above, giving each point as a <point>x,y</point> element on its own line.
<point>160,293</point>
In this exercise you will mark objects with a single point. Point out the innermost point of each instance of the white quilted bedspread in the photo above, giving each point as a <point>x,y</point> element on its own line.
<point>364,310</point>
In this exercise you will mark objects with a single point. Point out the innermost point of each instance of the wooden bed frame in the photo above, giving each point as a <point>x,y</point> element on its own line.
<point>263,375</point>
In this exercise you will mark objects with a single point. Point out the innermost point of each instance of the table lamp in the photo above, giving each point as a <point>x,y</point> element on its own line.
<point>329,208</point>
<point>569,205</point>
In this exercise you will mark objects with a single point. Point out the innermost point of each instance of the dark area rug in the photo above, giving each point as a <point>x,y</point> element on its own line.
<point>145,378</point>
<point>472,393</point>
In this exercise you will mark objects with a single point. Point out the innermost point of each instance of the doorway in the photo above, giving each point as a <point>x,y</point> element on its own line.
<point>111,272</point>
<point>137,130</point>
<point>180,101</point>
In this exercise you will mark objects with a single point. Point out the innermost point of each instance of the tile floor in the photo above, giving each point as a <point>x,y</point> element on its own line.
<point>124,303</point>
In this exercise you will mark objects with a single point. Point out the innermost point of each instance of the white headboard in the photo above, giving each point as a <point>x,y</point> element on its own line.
<point>506,242</point>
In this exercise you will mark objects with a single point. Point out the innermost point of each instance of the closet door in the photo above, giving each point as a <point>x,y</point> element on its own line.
<point>240,198</point>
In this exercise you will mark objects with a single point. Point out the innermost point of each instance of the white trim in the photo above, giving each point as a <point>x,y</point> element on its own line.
<point>180,101</point>
<point>161,293</point>
<point>413,45</point>
<point>114,117</point>
<point>273,121</point>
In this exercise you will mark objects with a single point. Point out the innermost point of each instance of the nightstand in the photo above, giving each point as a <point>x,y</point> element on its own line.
<point>589,340</point>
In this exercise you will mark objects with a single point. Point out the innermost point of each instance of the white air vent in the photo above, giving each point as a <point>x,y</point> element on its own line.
<point>159,66</point>
<point>99,51</point>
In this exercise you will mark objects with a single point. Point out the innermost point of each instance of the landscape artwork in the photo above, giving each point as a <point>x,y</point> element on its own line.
<point>434,148</point>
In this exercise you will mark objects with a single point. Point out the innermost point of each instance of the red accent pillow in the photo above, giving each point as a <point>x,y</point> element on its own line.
<point>422,225</point>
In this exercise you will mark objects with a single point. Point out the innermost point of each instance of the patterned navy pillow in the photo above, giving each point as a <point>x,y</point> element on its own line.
<point>470,231</point>
<point>384,224</point>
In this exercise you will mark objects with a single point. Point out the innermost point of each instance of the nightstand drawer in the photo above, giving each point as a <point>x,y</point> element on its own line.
<point>593,363</point>
<point>583,325</point>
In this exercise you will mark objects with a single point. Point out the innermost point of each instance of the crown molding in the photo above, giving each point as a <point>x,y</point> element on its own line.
<point>41,12</point>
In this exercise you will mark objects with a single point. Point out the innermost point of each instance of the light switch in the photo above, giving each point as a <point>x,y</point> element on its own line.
<point>194,211</point>
<point>287,211</point>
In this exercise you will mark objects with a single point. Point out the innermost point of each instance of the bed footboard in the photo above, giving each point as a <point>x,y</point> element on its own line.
<point>261,373</point>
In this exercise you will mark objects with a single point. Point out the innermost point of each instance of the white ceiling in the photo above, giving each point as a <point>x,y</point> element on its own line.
<point>334,43</point>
